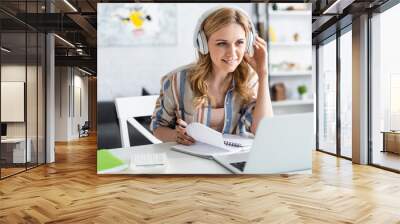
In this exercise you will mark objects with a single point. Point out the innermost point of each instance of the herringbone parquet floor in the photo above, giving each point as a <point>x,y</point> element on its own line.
<point>69,191</point>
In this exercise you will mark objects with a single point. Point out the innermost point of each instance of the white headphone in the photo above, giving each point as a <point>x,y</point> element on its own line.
<point>200,39</point>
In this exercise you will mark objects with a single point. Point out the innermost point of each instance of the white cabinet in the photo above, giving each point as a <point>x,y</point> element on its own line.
<point>17,146</point>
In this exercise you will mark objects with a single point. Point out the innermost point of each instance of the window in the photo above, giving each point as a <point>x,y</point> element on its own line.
<point>327,97</point>
<point>22,65</point>
<point>346,94</point>
<point>385,89</point>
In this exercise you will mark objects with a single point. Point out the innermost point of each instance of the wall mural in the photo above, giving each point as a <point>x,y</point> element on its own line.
<point>137,25</point>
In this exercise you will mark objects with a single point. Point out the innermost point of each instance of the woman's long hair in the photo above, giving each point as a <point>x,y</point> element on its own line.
<point>201,71</point>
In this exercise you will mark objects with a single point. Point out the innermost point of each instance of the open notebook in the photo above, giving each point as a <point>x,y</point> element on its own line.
<point>210,142</point>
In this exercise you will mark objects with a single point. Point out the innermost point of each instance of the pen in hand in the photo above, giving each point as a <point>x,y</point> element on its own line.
<point>182,137</point>
<point>181,123</point>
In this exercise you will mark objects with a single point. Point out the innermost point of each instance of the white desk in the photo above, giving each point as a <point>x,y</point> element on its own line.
<point>19,149</point>
<point>178,163</point>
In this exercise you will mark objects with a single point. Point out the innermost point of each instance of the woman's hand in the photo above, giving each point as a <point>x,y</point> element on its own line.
<point>181,136</point>
<point>259,60</point>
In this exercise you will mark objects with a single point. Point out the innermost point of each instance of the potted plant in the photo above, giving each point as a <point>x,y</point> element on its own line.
<point>302,89</point>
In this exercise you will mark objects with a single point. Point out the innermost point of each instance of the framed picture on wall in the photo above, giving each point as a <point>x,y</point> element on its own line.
<point>137,24</point>
<point>12,101</point>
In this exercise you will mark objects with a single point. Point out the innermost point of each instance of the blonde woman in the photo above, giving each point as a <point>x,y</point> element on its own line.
<point>226,89</point>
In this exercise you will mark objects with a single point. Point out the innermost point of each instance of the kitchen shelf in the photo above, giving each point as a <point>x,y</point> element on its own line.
<point>290,44</point>
<point>292,103</point>
<point>290,73</point>
<point>291,58</point>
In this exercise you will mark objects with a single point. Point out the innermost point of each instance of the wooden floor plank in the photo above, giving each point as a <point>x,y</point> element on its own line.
<point>70,191</point>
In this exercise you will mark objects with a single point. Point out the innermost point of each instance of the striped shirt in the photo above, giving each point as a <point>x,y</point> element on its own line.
<point>176,101</point>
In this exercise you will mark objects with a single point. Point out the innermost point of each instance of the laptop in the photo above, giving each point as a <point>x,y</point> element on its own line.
<point>283,144</point>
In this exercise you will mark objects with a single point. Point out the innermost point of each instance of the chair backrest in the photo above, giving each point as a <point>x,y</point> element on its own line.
<point>130,107</point>
<point>86,125</point>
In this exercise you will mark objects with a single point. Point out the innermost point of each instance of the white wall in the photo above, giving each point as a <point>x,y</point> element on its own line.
<point>61,103</point>
<point>33,125</point>
<point>80,83</point>
<point>124,71</point>
<point>68,80</point>
<point>12,73</point>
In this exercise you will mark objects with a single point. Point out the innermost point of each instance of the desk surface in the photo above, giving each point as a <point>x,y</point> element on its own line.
<point>178,163</point>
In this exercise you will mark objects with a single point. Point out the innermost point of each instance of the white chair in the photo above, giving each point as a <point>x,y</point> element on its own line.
<point>130,107</point>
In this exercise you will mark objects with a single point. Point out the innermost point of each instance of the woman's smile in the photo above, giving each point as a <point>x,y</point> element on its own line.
<point>230,61</point>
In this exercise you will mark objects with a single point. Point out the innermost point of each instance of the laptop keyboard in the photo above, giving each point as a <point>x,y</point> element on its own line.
<point>239,165</point>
